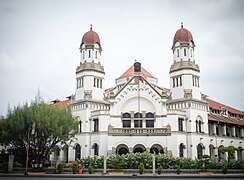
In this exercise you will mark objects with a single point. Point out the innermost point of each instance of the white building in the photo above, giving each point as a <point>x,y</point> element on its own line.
<point>134,118</point>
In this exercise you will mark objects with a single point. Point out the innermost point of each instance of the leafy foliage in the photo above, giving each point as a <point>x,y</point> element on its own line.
<point>133,160</point>
<point>53,126</point>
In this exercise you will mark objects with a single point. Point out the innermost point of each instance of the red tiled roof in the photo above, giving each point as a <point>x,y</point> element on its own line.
<point>62,104</point>
<point>130,72</point>
<point>216,105</point>
<point>215,117</point>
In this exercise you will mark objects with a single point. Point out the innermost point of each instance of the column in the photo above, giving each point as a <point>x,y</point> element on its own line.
<point>233,131</point>
<point>214,128</point>
<point>242,132</point>
<point>224,130</point>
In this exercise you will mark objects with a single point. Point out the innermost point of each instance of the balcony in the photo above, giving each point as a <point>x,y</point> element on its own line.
<point>165,131</point>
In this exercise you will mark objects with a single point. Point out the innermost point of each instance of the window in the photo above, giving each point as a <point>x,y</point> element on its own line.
<point>89,53</point>
<point>180,124</point>
<point>126,115</point>
<point>100,83</point>
<point>181,150</point>
<point>149,123</point>
<point>199,151</point>
<point>196,126</point>
<point>138,123</point>
<point>83,53</point>
<point>96,125</point>
<point>184,52</point>
<point>126,120</point>
<point>200,126</point>
<point>94,82</point>
<point>126,123</point>
<point>96,54</point>
<point>178,53</point>
<point>191,52</point>
<point>95,147</point>
<point>77,152</point>
<point>173,82</point>
<point>150,120</point>
<point>180,81</point>
<point>80,126</point>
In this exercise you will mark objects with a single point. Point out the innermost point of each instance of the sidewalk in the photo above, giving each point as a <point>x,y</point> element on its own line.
<point>145,175</point>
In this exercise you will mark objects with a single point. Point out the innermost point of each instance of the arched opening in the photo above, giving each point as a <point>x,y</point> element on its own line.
<point>199,151</point>
<point>156,148</point>
<point>56,153</point>
<point>211,152</point>
<point>138,120</point>
<point>66,153</point>
<point>149,120</point>
<point>95,147</point>
<point>77,152</point>
<point>126,120</point>
<point>239,154</point>
<point>139,148</point>
<point>181,150</point>
<point>122,149</point>
<point>221,155</point>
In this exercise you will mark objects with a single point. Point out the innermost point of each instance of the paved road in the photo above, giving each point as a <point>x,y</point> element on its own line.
<point>168,177</point>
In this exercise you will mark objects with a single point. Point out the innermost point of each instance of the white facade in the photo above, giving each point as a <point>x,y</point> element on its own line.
<point>131,118</point>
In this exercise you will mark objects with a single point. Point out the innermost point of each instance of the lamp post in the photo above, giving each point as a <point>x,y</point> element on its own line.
<point>27,145</point>
<point>27,151</point>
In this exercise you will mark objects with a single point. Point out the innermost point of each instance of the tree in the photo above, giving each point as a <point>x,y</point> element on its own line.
<point>230,150</point>
<point>42,125</point>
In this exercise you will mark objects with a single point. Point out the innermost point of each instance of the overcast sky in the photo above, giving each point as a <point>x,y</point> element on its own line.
<point>39,44</point>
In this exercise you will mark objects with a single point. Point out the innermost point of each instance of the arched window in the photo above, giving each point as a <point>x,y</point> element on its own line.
<point>181,150</point>
<point>199,151</point>
<point>149,120</point>
<point>138,120</point>
<point>77,152</point>
<point>199,124</point>
<point>95,147</point>
<point>126,120</point>
<point>126,115</point>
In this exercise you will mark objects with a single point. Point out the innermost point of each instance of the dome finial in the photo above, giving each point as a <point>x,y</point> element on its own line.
<point>181,24</point>
<point>91,27</point>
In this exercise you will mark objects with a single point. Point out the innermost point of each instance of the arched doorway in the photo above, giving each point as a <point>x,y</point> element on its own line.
<point>156,148</point>
<point>139,148</point>
<point>122,149</point>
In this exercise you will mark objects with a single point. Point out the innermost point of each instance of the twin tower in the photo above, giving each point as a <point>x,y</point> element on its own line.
<point>184,72</point>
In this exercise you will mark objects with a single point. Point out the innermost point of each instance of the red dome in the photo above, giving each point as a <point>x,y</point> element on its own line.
<point>90,37</point>
<point>183,35</point>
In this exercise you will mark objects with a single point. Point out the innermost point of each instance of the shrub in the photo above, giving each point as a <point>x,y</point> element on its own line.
<point>60,168</point>
<point>141,168</point>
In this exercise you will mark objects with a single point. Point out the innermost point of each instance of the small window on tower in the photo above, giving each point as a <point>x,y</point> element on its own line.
<point>83,52</point>
<point>191,52</point>
<point>89,53</point>
<point>184,52</point>
<point>178,53</point>
<point>96,54</point>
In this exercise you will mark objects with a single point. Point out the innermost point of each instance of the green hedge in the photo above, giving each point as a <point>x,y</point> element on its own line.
<point>131,161</point>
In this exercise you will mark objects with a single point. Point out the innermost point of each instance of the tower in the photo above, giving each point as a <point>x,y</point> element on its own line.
<point>90,73</point>
<point>184,72</point>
